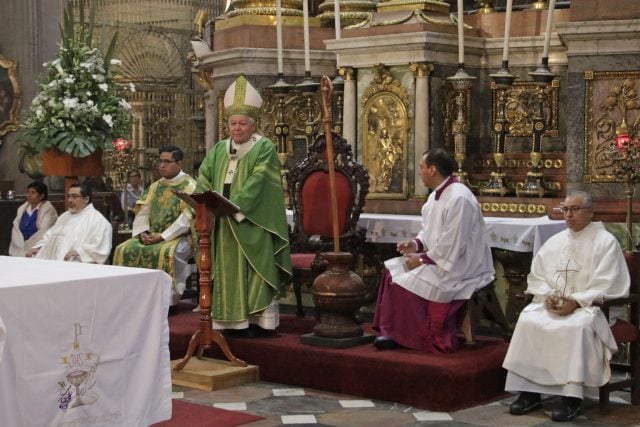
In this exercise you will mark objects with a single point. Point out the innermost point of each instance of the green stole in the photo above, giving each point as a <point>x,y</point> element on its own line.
<point>251,257</point>
<point>164,208</point>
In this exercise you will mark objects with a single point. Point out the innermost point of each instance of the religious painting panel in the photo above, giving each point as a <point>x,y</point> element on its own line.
<point>9,96</point>
<point>611,102</point>
<point>384,138</point>
<point>521,102</point>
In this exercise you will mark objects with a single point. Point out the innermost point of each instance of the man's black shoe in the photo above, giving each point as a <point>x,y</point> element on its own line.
<point>568,410</point>
<point>525,403</point>
<point>385,343</point>
<point>253,331</point>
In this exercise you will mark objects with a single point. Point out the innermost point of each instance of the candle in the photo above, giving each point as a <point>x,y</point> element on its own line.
<point>336,12</point>
<point>547,34</point>
<point>305,16</point>
<point>460,33</point>
<point>279,36</point>
<point>507,31</point>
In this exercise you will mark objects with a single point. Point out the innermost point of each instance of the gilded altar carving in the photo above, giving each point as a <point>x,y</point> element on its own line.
<point>302,113</point>
<point>610,98</point>
<point>450,109</point>
<point>520,105</point>
<point>385,132</point>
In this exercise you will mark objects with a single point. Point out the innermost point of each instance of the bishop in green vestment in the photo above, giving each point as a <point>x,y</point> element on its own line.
<point>162,226</point>
<point>250,250</point>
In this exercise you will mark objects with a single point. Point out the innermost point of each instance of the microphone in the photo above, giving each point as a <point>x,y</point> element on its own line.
<point>232,149</point>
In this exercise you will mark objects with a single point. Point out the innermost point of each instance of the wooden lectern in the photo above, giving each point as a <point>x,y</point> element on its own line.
<point>209,206</point>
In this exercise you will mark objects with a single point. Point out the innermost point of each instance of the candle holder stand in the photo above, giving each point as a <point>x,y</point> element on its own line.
<point>338,91</point>
<point>498,185</point>
<point>281,129</point>
<point>535,184</point>
<point>309,89</point>
<point>625,158</point>
<point>461,83</point>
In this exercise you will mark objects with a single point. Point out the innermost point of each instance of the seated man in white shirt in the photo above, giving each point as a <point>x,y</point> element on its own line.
<point>82,233</point>
<point>162,226</point>
<point>562,343</point>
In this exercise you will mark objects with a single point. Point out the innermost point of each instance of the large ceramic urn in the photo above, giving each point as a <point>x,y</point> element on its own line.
<point>338,293</point>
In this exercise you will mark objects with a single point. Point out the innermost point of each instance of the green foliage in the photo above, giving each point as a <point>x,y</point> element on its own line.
<point>79,108</point>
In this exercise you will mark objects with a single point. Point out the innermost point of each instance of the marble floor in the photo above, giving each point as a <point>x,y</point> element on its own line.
<point>282,405</point>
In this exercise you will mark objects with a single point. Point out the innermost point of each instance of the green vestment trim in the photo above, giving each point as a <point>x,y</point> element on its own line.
<point>251,258</point>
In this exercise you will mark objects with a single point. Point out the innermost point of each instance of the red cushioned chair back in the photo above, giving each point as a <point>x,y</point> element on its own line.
<point>316,203</point>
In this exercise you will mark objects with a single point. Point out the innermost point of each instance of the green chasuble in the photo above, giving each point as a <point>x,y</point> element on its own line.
<point>251,258</point>
<point>164,208</point>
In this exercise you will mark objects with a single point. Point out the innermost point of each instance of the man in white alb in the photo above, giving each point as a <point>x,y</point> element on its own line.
<point>82,233</point>
<point>562,344</point>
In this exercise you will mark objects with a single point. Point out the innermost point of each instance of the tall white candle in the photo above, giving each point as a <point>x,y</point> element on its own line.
<point>547,34</point>
<point>305,16</point>
<point>460,33</point>
<point>507,30</point>
<point>279,35</point>
<point>336,12</point>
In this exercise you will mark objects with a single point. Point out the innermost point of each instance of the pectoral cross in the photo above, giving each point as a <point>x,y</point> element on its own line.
<point>568,268</point>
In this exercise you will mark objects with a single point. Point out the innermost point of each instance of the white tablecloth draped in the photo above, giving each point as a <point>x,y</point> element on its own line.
<point>84,345</point>
<point>514,234</point>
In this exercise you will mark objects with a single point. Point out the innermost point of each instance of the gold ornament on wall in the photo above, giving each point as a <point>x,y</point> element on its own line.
<point>520,104</point>
<point>385,132</point>
<point>611,98</point>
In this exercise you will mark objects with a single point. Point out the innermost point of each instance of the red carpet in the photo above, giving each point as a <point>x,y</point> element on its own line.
<point>187,414</point>
<point>436,382</point>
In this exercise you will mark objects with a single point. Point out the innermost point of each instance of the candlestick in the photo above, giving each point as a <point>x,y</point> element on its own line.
<point>507,31</point>
<point>460,33</point>
<point>279,36</point>
<point>305,16</point>
<point>336,12</point>
<point>547,34</point>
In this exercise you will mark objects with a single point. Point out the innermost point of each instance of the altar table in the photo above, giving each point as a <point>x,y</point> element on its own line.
<point>83,344</point>
<point>513,234</point>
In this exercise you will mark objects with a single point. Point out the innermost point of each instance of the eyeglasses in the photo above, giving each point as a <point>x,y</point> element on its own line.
<point>134,175</point>
<point>573,209</point>
<point>166,162</point>
<point>73,195</point>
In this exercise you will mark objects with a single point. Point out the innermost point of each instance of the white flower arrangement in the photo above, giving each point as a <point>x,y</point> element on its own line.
<point>78,109</point>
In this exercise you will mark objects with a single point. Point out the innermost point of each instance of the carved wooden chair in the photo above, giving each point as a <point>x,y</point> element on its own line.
<point>626,333</point>
<point>312,233</point>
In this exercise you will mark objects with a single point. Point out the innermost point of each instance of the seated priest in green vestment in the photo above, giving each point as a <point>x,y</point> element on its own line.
<point>250,250</point>
<point>162,227</point>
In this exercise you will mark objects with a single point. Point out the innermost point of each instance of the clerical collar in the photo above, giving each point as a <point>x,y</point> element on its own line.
<point>238,151</point>
<point>175,178</point>
<point>447,182</point>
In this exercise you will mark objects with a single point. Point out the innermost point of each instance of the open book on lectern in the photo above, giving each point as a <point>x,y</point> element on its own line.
<point>212,199</point>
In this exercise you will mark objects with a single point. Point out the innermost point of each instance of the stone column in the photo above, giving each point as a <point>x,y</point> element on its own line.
<point>211,117</point>
<point>349,131</point>
<point>421,71</point>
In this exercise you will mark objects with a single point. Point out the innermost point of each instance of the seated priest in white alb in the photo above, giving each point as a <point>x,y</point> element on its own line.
<point>562,344</point>
<point>81,234</point>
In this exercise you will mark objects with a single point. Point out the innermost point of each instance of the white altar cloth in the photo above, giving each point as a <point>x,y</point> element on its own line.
<point>83,344</point>
<point>514,234</point>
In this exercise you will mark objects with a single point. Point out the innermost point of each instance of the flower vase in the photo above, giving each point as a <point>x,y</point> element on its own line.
<point>58,163</point>
<point>337,294</point>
